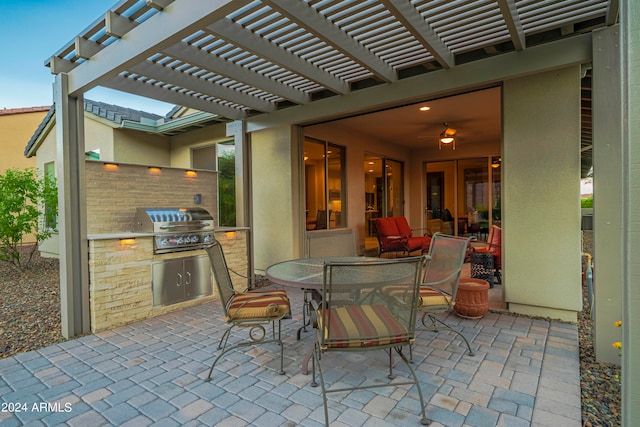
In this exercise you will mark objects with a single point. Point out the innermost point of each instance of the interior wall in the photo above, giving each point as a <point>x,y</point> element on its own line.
<point>541,194</point>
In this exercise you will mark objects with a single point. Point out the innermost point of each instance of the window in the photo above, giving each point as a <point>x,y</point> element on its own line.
<point>384,189</point>
<point>220,157</point>
<point>325,184</point>
<point>50,220</point>
<point>227,184</point>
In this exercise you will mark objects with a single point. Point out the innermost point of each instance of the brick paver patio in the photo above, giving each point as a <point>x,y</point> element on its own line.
<point>151,373</point>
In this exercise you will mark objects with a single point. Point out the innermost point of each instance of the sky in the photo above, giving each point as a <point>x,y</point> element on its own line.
<point>31,32</point>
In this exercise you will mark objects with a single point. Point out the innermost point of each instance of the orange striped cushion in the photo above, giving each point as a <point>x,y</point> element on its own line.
<point>428,296</point>
<point>258,305</point>
<point>361,326</point>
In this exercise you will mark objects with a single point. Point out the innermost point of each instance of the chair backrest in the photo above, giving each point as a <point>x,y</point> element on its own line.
<point>321,219</point>
<point>355,312</point>
<point>447,258</point>
<point>385,227</point>
<point>403,226</point>
<point>495,244</point>
<point>221,273</point>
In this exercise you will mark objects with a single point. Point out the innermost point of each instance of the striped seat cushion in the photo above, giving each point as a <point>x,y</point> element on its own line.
<point>258,305</point>
<point>429,297</point>
<point>361,326</point>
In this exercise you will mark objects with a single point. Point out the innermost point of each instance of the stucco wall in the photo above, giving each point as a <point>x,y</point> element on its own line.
<point>136,147</point>
<point>274,197</point>
<point>182,144</point>
<point>541,194</point>
<point>15,131</point>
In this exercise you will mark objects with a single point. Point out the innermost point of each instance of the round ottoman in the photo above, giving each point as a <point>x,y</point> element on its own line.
<point>472,299</point>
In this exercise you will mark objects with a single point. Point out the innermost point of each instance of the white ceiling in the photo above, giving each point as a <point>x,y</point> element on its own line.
<point>475,116</point>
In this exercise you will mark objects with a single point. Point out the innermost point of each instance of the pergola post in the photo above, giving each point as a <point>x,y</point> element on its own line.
<point>72,218</point>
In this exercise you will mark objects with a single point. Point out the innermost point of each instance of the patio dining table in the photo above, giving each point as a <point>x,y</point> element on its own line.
<point>308,274</point>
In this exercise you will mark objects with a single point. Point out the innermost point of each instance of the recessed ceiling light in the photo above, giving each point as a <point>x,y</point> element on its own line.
<point>425,108</point>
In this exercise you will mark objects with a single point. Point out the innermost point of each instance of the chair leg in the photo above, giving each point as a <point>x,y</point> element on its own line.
<point>279,341</point>
<point>391,374</point>
<point>252,341</point>
<point>434,327</point>
<point>225,337</point>
<point>424,420</point>
<point>325,403</point>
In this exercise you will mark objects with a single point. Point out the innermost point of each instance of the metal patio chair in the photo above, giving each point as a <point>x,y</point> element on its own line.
<point>354,315</point>
<point>441,279</point>
<point>250,309</point>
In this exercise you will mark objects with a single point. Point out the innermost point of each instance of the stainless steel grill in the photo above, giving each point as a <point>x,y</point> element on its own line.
<point>175,229</point>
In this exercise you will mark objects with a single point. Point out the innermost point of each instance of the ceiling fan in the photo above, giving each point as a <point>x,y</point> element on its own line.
<point>447,136</point>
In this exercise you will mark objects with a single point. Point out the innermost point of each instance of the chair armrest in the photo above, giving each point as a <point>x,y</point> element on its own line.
<point>426,230</point>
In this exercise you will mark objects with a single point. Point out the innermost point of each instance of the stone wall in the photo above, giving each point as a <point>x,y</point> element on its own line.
<point>120,271</point>
<point>120,277</point>
<point>115,191</point>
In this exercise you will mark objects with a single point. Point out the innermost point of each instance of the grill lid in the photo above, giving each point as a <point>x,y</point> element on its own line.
<point>172,219</point>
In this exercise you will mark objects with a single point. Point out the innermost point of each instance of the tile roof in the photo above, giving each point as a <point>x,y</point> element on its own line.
<point>10,111</point>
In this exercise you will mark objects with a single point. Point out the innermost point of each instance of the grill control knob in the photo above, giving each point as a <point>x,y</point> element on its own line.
<point>208,238</point>
<point>195,238</point>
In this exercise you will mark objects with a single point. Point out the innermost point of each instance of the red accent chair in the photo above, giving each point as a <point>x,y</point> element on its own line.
<point>395,235</point>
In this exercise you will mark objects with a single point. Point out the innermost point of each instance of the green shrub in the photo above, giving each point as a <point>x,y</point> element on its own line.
<point>586,203</point>
<point>22,194</point>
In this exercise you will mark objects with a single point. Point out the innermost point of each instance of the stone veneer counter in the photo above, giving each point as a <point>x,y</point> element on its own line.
<point>120,275</point>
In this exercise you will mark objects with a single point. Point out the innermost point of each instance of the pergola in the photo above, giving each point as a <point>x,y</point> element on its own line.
<point>266,62</point>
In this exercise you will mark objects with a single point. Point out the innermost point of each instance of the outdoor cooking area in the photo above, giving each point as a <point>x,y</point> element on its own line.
<point>147,228</point>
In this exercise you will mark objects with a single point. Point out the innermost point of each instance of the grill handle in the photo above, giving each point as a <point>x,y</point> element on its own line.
<point>183,226</point>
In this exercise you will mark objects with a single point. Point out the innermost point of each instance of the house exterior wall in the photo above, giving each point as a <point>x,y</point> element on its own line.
<point>541,194</point>
<point>181,145</point>
<point>141,148</point>
<point>98,135</point>
<point>16,127</point>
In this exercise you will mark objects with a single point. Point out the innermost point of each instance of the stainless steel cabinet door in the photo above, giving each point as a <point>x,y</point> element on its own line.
<point>168,281</point>
<point>197,276</point>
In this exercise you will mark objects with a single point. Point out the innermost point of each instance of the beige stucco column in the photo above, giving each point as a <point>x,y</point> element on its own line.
<point>275,193</point>
<point>541,194</point>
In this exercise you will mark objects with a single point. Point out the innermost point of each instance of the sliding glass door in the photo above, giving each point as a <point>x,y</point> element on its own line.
<point>384,189</point>
<point>463,196</point>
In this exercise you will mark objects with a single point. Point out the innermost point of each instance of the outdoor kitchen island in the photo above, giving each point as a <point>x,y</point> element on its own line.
<point>121,274</point>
